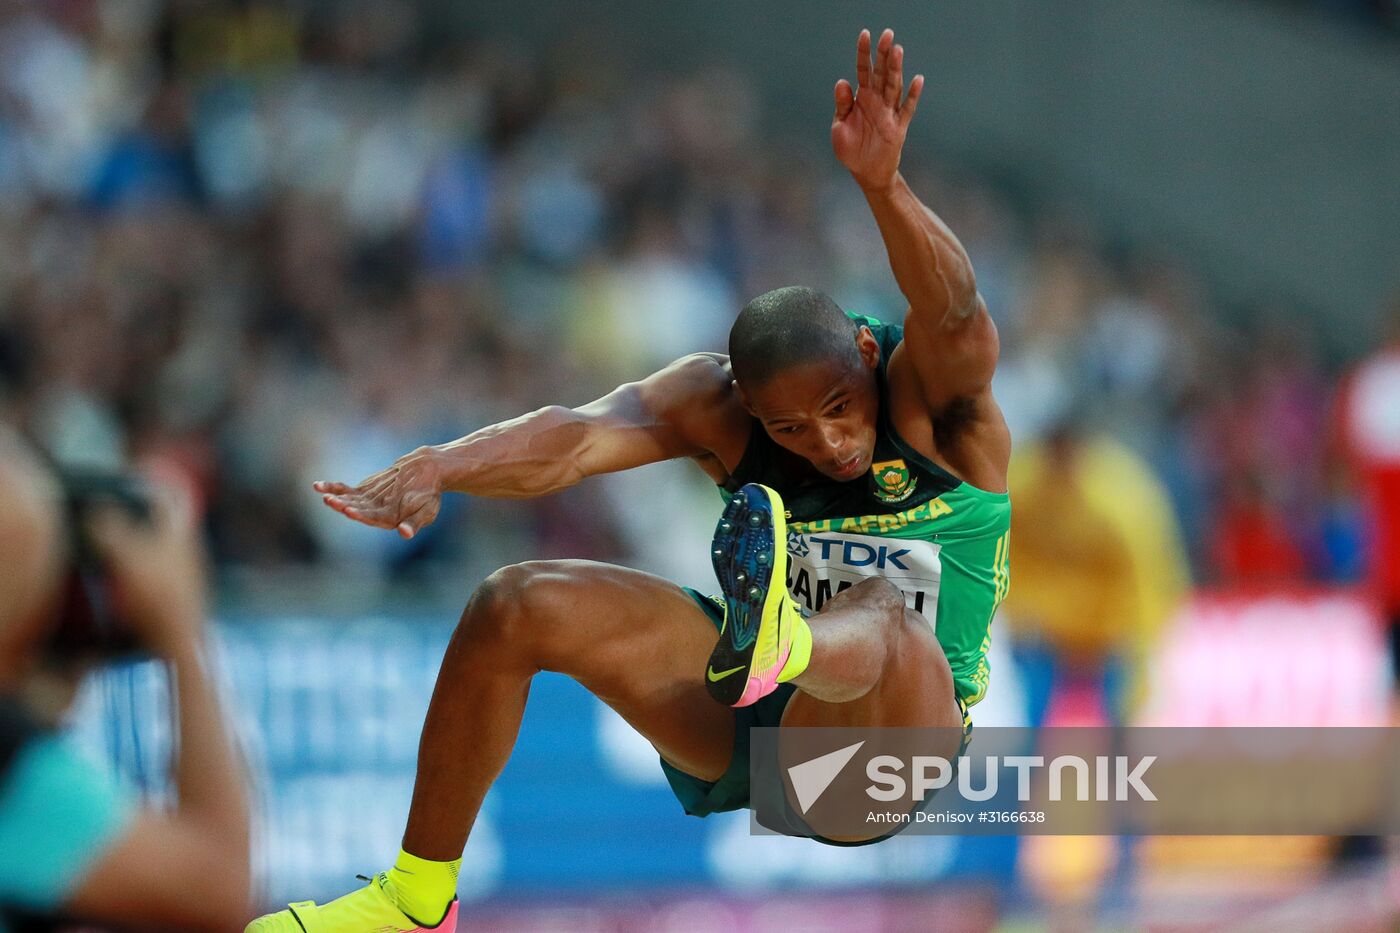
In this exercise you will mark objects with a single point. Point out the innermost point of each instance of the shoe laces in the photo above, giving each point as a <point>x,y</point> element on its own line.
<point>380,879</point>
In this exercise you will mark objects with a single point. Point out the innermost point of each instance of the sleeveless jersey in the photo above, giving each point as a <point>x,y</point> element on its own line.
<point>944,543</point>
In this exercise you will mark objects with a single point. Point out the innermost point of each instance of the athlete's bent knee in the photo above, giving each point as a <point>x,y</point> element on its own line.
<point>885,590</point>
<point>512,605</point>
<point>876,591</point>
<point>522,607</point>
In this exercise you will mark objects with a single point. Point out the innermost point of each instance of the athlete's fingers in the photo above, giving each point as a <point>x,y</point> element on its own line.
<point>343,504</point>
<point>911,102</point>
<point>329,487</point>
<point>354,507</point>
<point>342,499</point>
<point>845,99</point>
<point>368,515</point>
<point>882,60</point>
<point>863,59</point>
<point>335,502</point>
<point>894,77</point>
<point>894,83</point>
<point>373,520</point>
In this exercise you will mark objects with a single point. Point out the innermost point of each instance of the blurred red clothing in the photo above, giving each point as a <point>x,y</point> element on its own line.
<point>1253,544</point>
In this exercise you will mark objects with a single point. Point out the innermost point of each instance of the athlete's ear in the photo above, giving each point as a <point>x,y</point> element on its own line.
<point>743,397</point>
<point>869,348</point>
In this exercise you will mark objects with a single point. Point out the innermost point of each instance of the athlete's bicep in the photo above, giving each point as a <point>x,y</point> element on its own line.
<point>955,356</point>
<point>622,431</point>
<point>659,418</point>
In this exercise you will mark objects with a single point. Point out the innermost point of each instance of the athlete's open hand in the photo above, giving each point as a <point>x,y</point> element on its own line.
<point>405,497</point>
<point>871,121</point>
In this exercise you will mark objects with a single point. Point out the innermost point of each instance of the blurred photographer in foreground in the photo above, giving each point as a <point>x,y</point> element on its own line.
<point>91,569</point>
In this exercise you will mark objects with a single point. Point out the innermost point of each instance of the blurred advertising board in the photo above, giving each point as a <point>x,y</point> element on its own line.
<point>1291,658</point>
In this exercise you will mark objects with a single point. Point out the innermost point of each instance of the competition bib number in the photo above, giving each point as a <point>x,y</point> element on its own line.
<point>820,565</point>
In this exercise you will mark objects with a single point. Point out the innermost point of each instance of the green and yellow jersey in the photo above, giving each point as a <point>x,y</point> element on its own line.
<point>944,543</point>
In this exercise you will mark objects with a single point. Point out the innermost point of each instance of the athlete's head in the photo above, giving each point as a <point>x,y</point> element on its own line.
<point>807,372</point>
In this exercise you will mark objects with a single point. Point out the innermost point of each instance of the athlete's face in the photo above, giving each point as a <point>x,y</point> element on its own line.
<point>824,412</point>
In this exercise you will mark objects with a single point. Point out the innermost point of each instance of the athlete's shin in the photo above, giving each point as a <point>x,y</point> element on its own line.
<point>472,722</point>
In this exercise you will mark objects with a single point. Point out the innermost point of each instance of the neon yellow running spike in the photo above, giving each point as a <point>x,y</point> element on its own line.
<point>765,640</point>
<point>368,910</point>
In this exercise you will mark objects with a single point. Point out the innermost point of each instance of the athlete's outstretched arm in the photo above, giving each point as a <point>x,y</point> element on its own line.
<point>948,327</point>
<point>666,416</point>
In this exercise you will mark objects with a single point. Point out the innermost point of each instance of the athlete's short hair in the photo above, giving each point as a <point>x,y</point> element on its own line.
<point>787,327</point>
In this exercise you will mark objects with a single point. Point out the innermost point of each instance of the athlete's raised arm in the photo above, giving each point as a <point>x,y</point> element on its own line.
<point>951,338</point>
<point>672,413</point>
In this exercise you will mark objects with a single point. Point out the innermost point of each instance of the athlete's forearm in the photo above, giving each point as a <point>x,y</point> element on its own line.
<point>930,265</point>
<point>533,455</point>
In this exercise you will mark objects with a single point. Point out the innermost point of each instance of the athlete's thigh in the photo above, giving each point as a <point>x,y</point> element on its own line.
<point>915,689</point>
<point>639,643</point>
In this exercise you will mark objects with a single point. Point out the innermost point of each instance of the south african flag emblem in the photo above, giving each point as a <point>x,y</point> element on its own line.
<point>892,480</point>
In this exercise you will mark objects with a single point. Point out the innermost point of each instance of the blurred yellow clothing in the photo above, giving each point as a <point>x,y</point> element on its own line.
<point>1100,564</point>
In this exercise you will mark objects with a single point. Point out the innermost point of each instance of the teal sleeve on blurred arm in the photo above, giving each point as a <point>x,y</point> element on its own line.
<point>57,815</point>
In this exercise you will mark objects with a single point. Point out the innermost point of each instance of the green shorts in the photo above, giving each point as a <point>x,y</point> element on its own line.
<point>731,791</point>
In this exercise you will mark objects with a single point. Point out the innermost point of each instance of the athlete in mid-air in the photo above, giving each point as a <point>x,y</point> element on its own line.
<point>864,467</point>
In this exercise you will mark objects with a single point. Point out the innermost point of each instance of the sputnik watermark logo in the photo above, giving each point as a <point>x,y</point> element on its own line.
<point>810,779</point>
<point>851,784</point>
<point>1113,778</point>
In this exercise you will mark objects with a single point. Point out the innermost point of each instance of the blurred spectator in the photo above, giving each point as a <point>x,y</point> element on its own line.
<point>73,844</point>
<point>1271,465</point>
<point>1099,569</point>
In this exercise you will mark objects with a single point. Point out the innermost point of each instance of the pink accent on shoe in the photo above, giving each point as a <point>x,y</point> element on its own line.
<point>762,683</point>
<point>754,692</point>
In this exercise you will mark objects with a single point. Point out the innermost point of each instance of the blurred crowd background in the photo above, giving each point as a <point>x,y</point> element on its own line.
<point>264,243</point>
<point>254,244</point>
